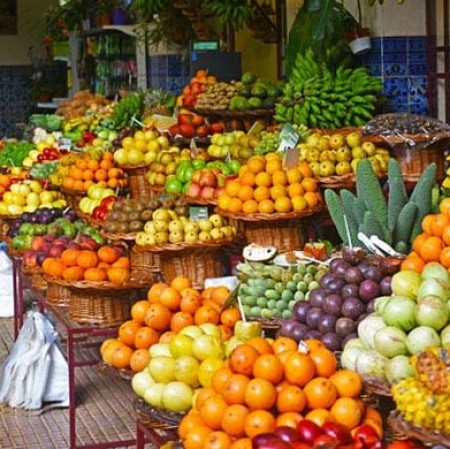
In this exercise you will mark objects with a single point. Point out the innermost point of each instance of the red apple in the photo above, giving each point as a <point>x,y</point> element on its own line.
<point>46,247</point>
<point>184,119</point>
<point>197,120</point>
<point>63,240</point>
<point>287,434</point>
<point>121,250</point>
<point>193,190</point>
<point>37,243</point>
<point>174,130</point>
<point>216,127</point>
<point>207,193</point>
<point>49,237</point>
<point>202,131</point>
<point>263,439</point>
<point>219,191</point>
<point>207,178</point>
<point>187,131</point>
<point>308,430</point>
<point>338,432</point>
<point>56,251</point>
<point>196,88</point>
<point>41,256</point>
<point>74,245</point>
<point>189,101</point>
<point>196,176</point>
<point>221,180</point>
<point>87,243</point>
<point>30,258</point>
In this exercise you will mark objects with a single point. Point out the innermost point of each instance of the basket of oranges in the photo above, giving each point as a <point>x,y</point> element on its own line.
<point>271,200</point>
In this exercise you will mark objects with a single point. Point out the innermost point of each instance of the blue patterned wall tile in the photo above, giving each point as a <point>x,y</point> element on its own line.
<point>417,69</point>
<point>418,58</point>
<point>417,86</point>
<point>418,108</point>
<point>394,44</point>
<point>396,88</point>
<point>374,69</point>
<point>395,69</point>
<point>399,57</point>
<point>376,45</point>
<point>417,44</point>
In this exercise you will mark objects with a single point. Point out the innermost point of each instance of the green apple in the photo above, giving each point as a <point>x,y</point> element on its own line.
<point>216,233</point>
<point>35,186</point>
<point>206,346</point>
<point>33,199</point>
<point>161,237</point>
<point>163,142</point>
<point>353,140</point>
<point>121,156</point>
<point>191,226</point>
<point>369,148</point>
<point>204,236</point>
<point>140,382</point>
<point>18,199</point>
<point>343,168</point>
<point>14,209</point>
<point>207,369</point>
<point>162,368</point>
<point>192,331</point>
<point>150,157</point>
<point>161,214</point>
<point>149,228</point>
<point>8,197</point>
<point>336,141</point>
<point>191,237</point>
<point>177,397</point>
<point>176,237</point>
<point>15,188</point>
<point>153,394</point>
<point>181,344</point>
<point>211,329</point>
<point>161,225</point>
<point>186,370</point>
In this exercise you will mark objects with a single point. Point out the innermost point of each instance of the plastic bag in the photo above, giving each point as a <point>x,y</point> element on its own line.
<point>35,372</point>
<point>6,281</point>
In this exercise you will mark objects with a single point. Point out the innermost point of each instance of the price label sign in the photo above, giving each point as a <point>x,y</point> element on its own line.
<point>194,149</point>
<point>198,212</point>
<point>289,137</point>
<point>256,128</point>
<point>65,143</point>
<point>290,159</point>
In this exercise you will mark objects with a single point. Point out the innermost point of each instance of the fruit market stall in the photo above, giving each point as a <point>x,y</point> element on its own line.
<point>182,238</point>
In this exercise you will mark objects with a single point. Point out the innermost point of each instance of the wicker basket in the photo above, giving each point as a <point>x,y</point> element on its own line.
<point>73,198</point>
<point>138,184</point>
<point>37,280</point>
<point>4,228</point>
<point>148,260</point>
<point>377,387</point>
<point>110,371</point>
<point>403,429</point>
<point>57,295</point>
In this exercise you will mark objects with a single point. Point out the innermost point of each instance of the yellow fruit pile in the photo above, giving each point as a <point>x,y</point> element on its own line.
<point>264,186</point>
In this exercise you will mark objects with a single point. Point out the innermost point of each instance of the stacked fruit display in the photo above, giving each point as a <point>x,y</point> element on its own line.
<point>269,291</point>
<point>346,97</point>
<point>27,196</point>
<point>141,148</point>
<point>200,179</point>
<point>190,125</point>
<point>264,186</point>
<point>345,295</point>
<point>87,171</point>
<point>254,93</point>
<point>236,144</point>
<point>105,263</point>
<point>265,385</point>
<point>98,196</point>
<point>166,226</point>
<point>7,179</point>
<point>166,312</point>
<point>196,86</point>
<point>336,154</point>
<point>406,323</point>
<point>395,221</point>
<point>216,96</point>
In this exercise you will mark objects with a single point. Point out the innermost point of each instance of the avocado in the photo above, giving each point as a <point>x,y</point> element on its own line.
<point>245,91</point>
<point>238,103</point>
<point>248,78</point>
<point>255,103</point>
<point>258,90</point>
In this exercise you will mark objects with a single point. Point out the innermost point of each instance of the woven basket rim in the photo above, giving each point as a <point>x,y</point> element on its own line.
<point>416,138</point>
<point>73,191</point>
<point>134,167</point>
<point>157,414</point>
<point>142,280</point>
<point>89,218</point>
<point>372,385</point>
<point>198,200</point>
<point>399,424</point>
<point>131,236</point>
<point>270,217</point>
<point>185,245</point>
<point>9,217</point>
<point>227,113</point>
<point>31,270</point>
<point>124,374</point>
<point>344,130</point>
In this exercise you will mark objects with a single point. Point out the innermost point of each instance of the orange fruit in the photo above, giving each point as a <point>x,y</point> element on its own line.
<point>189,421</point>
<point>279,178</point>
<point>127,332</point>
<point>230,316</point>
<point>232,188</point>
<point>261,344</point>
<point>426,223</point>
<point>250,207</point>
<point>312,199</point>
<point>180,320</point>
<point>217,440</point>
<point>81,164</point>
<point>320,416</point>
<point>196,437</point>
<point>146,337</point>
<point>139,309</point>
<point>235,205</point>
<point>305,169</point>
<point>88,175</point>
<point>430,250</point>
<point>259,421</point>
<point>278,192</point>
<point>190,300</point>
<point>155,290</point>
<point>289,419</point>
<point>233,420</point>
<point>202,394</point>
<point>309,184</point>
<point>266,207</point>
<point>320,393</point>
<point>256,164</point>
<point>121,357</point>
<point>212,410</point>
<point>346,411</point>
<point>294,175</point>
<point>158,317</point>
<point>93,165</point>
<point>245,193</point>
<point>206,314</point>
<point>348,383</point>
<point>268,367</point>
<point>223,201</point>
<point>106,164</point>
<point>445,236</point>
<point>439,224</point>
<point>247,179</point>
<point>291,399</point>
<point>419,240</point>
<point>260,394</point>
<point>295,189</point>
<point>312,344</point>
<point>234,388</point>
<point>299,369</point>
<point>273,165</point>
<point>139,360</point>
<point>242,443</point>
<point>282,344</point>
<point>263,179</point>
<point>220,378</point>
<point>283,204</point>
<point>444,207</point>
<point>413,262</point>
<point>299,203</point>
<point>325,361</point>
<point>260,193</point>
<point>180,282</point>
<point>170,298</point>
<point>242,358</point>
<point>445,257</point>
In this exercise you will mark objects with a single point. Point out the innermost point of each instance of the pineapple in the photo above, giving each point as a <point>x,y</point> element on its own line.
<point>433,369</point>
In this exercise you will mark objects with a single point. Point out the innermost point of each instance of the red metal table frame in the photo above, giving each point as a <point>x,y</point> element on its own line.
<point>75,334</point>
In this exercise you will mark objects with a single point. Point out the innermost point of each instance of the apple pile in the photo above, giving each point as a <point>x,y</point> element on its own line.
<point>97,195</point>
<point>27,196</point>
<point>141,148</point>
<point>200,179</point>
<point>336,154</point>
<point>166,226</point>
<point>190,125</point>
<point>196,86</point>
<point>7,179</point>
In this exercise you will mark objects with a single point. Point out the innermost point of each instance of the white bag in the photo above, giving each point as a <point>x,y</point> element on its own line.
<point>35,371</point>
<point>7,290</point>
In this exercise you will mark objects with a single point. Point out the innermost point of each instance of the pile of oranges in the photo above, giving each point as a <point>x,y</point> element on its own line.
<point>264,186</point>
<point>433,244</point>
<point>266,384</point>
<point>87,171</point>
<point>167,310</point>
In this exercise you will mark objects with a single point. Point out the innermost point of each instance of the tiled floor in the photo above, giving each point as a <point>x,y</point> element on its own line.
<point>104,411</point>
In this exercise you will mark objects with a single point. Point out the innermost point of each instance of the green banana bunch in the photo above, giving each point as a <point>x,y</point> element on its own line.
<point>129,107</point>
<point>318,98</point>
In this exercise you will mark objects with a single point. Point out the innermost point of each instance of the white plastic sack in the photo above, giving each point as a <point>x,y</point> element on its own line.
<point>7,290</point>
<point>35,372</point>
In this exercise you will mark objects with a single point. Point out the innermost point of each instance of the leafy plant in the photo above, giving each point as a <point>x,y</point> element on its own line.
<point>234,12</point>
